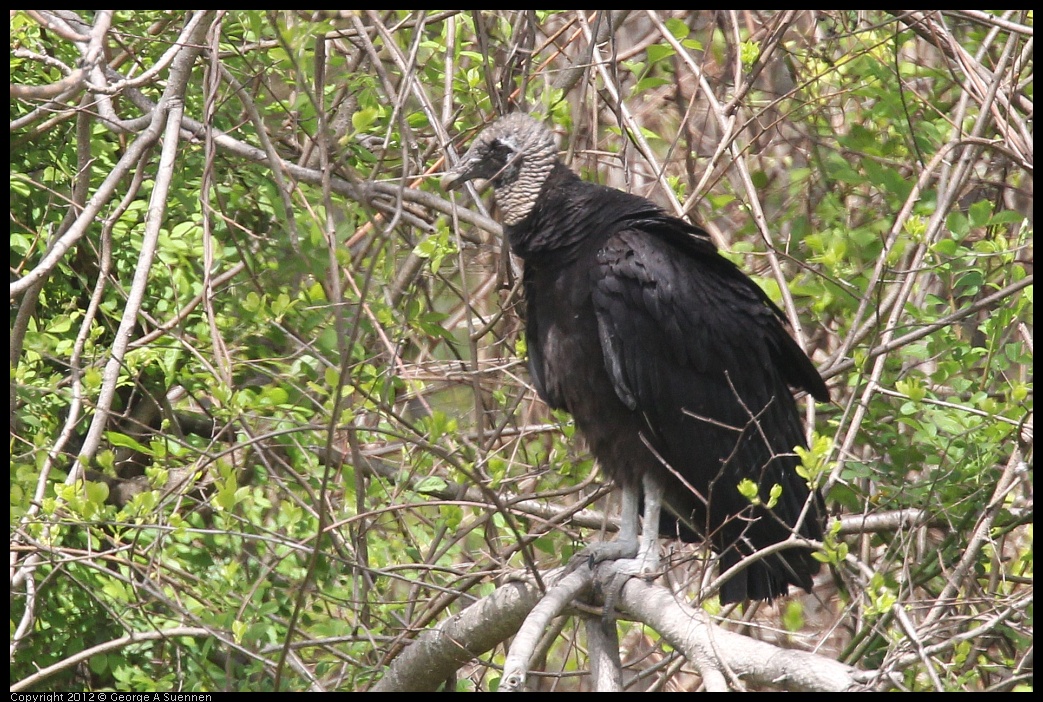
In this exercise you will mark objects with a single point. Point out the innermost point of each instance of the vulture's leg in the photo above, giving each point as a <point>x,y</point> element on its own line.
<point>648,553</point>
<point>647,560</point>
<point>640,552</point>
<point>626,544</point>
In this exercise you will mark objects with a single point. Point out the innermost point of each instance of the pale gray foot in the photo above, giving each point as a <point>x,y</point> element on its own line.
<point>634,556</point>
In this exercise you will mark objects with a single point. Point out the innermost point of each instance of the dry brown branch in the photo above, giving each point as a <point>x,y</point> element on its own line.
<point>294,370</point>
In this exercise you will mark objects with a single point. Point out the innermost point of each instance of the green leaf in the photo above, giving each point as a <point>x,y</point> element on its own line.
<point>124,441</point>
<point>793,616</point>
<point>1007,217</point>
<point>749,52</point>
<point>773,496</point>
<point>238,630</point>
<point>677,28</point>
<point>364,118</point>
<point>980,213</point>
<point>748,489</point>
<point>226,496</point>
<point>116,590</point>
<point>658,52</point>
<point>97,493</point>
<point>431,484</point>
<point>958,225</point>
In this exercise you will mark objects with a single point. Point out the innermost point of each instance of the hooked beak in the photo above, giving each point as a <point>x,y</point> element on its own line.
<point>455,179</point>
<point>452,181</point>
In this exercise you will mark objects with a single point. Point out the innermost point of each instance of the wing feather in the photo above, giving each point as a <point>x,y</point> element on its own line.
<point>696,348</point>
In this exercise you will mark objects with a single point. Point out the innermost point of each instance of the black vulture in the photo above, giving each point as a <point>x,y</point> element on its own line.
<point>676,367</point>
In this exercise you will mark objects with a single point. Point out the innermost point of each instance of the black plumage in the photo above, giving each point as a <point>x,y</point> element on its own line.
<point>676,367</point>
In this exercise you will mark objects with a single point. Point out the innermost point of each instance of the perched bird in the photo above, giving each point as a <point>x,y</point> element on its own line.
<point>676,367</point>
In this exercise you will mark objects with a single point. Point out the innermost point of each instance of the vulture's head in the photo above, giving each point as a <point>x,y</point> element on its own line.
<point>515,153</point>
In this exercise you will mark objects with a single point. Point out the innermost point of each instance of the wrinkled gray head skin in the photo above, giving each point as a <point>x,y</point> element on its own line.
<point>515,153</point>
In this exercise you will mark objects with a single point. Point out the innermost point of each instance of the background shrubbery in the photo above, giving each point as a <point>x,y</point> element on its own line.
<point>292,372</point>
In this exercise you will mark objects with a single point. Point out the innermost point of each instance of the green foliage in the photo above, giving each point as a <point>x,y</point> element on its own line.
<point>324,387</point>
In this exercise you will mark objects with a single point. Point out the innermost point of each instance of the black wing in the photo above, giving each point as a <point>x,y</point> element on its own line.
<point>697,349</point>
